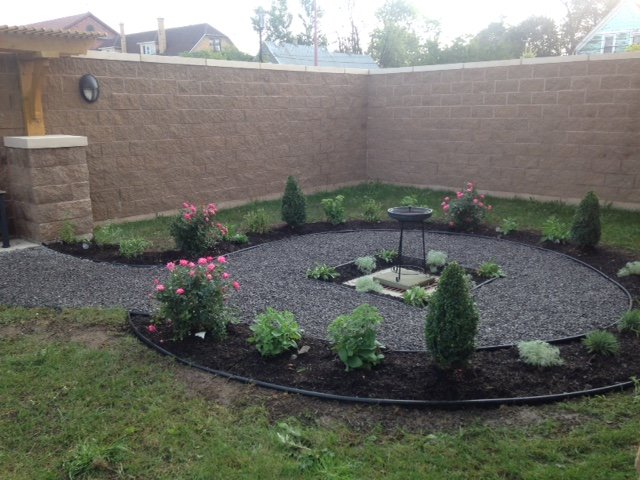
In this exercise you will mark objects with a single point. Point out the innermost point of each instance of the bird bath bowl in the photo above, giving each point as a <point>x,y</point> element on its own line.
<point>410,214</point>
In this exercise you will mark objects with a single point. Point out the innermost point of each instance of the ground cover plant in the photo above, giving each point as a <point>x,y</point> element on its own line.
<point>322,272</point>
<point>538,353</point>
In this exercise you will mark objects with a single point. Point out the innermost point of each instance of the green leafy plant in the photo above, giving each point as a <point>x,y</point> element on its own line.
<point>409,201</point>
<point>387,256</point>
<point>452,322</point>
<point>195,231</point>
<point>507,226</point>
<point>354,337</point>
<point>436,260</point>
<point>90,458</point>
<point>238,238</point>
<point>368,284</point>
<point>67,232</point>
<point>275,332</point>
<point>371,210</point>
<point>366,265</point>
<point>109,234</point>
<point>257,221</point>
<point>631,268</point>
<point>193,297</point>
<point>490,270</point>
<point>630,322</point>
<point>553,230</point>
<point>133,247</point>
<point>601,342</point>
<point>467,211</point>
<point>334,209</point>
<point>294,204</point>
<point>539,354</point>
<point>322,272</point>
<point>586,230</point>
<point>417,297</point>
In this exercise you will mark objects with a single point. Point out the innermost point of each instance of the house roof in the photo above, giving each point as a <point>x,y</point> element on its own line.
<point>179,39</point>
<point>629,10</point>
<point>67,23</point>
<point>290,54</point>
<point>45,42</point>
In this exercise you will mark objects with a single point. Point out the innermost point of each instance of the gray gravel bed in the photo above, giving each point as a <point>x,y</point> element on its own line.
<point>545,295</point>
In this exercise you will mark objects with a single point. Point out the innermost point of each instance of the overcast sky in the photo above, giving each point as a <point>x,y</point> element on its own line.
<point>457,17</point>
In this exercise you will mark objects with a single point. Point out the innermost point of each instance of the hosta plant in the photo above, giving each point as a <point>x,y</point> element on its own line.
<point>490,270</point>
<point>275,332</point>
<point>467,210</point>
<point>539,354</point>
<point>507,226</point>
<point>322,272</point>
<point>417,297</point>
<point>601,342</point>
<point>195,231</point>
<point>387,256</point>
<point>555,231</point>
<point>365,265</point>
<point>193,297</point>
<point>353,337</point>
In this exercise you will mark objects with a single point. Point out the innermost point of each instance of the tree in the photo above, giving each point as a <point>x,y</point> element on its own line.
<point>308,18</point>
<point>581,17</point>
<point>538,35</point>
<point>351,42</point>
<point>294,205</point>
<point>277,22</point>
<point>227,53</point>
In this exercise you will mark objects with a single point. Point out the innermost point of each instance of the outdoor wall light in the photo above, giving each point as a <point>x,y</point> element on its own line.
<point>89,88</point>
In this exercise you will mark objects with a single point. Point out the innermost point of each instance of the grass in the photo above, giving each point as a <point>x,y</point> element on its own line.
<point>620,228</point>
<point>126,414</point>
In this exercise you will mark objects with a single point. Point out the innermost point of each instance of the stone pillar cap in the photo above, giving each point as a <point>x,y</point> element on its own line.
<point>46,141</point>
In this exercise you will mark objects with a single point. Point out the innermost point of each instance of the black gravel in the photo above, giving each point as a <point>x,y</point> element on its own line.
<point>544,296</point>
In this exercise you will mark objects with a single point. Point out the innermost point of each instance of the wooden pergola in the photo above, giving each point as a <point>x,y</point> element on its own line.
<point>34,47</point>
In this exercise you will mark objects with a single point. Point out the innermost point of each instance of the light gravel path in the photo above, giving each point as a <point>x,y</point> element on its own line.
<point>545,295</point>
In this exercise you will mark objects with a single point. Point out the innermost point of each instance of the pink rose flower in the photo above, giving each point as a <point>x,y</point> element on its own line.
<point>171,266</point>
<point>202,261</point>
<point>475,201</point>
<point>481,204</point>
<point>185,205</point>
<point>184,263</point>
<point>225,275</point>
<point>209,277</point>
<point>152,328</point>
<point>445,209</point>
<point>236,285</point>
<point>459,195</point>
<point>211,267</point>
<point>482,196</point>
<point>191,265</point>
<point>221,259</point>
<point>180,291</point>
<point>187,216</point>
<point>447,199</point>
<point>209,259</point>
<point>160,288</point>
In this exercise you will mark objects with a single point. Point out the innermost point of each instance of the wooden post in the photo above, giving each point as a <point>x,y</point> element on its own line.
<point>33,72</point>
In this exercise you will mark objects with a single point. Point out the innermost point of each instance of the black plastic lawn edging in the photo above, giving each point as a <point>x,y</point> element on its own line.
<point>480,402</point>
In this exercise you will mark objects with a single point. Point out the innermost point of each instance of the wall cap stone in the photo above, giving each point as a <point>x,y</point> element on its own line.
<point>46,141</point>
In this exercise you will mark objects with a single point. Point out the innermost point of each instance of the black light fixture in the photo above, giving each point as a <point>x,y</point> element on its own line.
<point>89,88</point>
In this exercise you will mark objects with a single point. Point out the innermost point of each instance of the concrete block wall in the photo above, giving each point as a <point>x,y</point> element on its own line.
<point>164,133</point>
<point>555,127</point>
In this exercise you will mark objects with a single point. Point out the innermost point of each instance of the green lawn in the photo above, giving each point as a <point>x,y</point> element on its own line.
<point>620,228</point>
<point>121,411</point>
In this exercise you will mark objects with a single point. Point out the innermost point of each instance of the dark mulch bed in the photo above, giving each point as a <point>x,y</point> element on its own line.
<point>412,376</point>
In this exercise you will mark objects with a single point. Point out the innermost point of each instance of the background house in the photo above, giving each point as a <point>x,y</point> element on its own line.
<point>616,32</point>
<point>83,22</point>
<point>290,54</point>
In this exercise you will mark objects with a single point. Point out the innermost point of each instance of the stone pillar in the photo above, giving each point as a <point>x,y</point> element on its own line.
<point>48,183</point>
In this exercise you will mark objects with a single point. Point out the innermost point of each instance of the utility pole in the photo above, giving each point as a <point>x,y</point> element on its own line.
<point>315,33</point>
<point>260,29</point>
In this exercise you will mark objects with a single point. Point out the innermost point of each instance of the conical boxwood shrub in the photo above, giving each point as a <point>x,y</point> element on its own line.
<point>585,230</point>
<point>452,322</point>
<point>294,205</point>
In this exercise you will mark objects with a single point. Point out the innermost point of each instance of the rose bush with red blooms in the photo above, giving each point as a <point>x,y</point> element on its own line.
<point>195,231</point>
<point>467,211</point>
<point>193,297</point>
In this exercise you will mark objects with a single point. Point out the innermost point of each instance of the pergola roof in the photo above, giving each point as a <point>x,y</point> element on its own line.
<point>45,42</point>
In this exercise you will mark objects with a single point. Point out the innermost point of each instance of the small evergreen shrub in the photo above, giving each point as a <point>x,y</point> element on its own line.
<point>630,322</point>
<point>133,247</point>
<point>507,225</point>
<point>387,256</point>
<point>553,230</point>
<point>371,210</point>
<point>631,268</point>
<point>334,209</point>
<point>365,265</point>
<point>490,270</point>
<point>467,211</point>
<point>275,332</point>
<point>354,337</point>
<point>416,297</point>
<point>67,232</point>
<point>294,204</point>
<point>368,284</point>
<point>539,354</point>
<point>195,231</point>
<point>322,272</point>
<point>435,260</point>
<point>585,230</point>
<point>109,234</point>
<point>257,221</point>
<point>452,322</point>
<point>601,342</point>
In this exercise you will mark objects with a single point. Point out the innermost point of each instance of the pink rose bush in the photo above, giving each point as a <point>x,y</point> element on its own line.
<point>467,211</point>
<point>193,297</point>
<point>195,230</point>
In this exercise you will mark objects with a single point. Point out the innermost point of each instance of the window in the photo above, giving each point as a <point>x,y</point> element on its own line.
<point>609,44</point>
<point>148,48</point>
<point>216,45</point>
<point>90,28</point>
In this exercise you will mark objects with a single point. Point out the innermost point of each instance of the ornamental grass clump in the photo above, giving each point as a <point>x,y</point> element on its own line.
<point>275,332</point>
<point>467,211</point>
<point>452,322</point>
<point>630,322</point>
<point>353,337</point>
<point>193,297</point>
<point>586,230</point>
<point>539,354</point>
<point>602,343</point>
<point>133,247</point>
<point>195,231</point>
<point>294,204</point>
<point>257,221</point>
